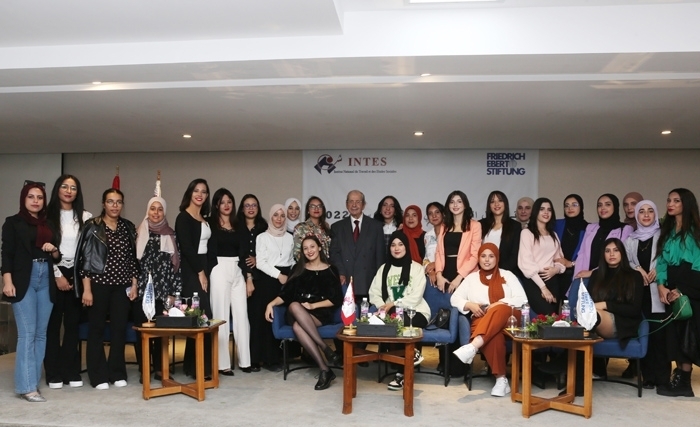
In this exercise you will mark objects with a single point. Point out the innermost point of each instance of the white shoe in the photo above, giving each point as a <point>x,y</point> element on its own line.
<point>417,357</point>
<point>102,386</point>
<point>76,384</point>
<point>56,385</point>
<point>466,353</point>
<point>501,388</point>
<point>120,383</point>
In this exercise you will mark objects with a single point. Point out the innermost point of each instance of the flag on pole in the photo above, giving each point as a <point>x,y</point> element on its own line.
<point>156,192</point>
<point>347,312</point>
<point>115,181</point>
<point>149,303</point>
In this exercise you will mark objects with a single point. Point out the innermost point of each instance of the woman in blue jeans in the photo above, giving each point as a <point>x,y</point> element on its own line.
<point>28,253</point>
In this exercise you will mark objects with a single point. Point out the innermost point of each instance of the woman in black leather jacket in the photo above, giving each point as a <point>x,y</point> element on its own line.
<point>106,257</point>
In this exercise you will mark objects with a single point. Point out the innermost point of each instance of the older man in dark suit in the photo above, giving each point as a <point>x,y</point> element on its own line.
<point>357,246</point>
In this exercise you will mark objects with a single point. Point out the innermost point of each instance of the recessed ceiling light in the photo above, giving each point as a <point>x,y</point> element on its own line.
<point>97,83</point>
<point>665,132</point>
<point>425,74</point>
<point>418,133</point>
<point>187,136</point>
<point>448,1</point>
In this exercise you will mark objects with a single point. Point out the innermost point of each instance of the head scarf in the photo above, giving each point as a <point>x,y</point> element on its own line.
<point>577,223</point>
<point>404,263</point>
<point>638,197</point>
<point>496,282</point>
<point>167,239</point>
<point>643,233</point>
<point>291,224</point>
<point>276,232</point>
<point>613,221</point>
<point>43,232</point>
<point>413,233</point>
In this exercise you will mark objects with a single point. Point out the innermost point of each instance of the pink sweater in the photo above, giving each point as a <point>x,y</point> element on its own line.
<point>534,256</point>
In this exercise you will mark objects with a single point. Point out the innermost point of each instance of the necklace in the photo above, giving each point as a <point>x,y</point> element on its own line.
<point>279,246</point>
<point>642,249</point>
<point>571,233</point>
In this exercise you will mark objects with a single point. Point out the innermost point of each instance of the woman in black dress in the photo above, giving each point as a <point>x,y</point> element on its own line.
<point>312,294</point>
<point>501,230</point>
<point>193,234</point>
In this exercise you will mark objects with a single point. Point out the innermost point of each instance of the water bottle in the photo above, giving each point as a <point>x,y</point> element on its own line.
<point>525,315</point>
<point>399,312</point>
<point>566,310</point>
<point>178,300</point>
<point>195,300</point>
<point>364,308</point>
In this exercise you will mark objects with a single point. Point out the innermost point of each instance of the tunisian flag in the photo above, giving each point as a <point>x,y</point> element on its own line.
<point>347,312</point>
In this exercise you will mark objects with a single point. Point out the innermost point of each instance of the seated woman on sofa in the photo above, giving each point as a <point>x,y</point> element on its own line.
<point>486,295</point>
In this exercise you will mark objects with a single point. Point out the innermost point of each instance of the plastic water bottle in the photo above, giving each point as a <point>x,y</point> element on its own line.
<point>566,310</point>
<point>178,300</point>
<point>525,315</point>
<point>195,300</point>
<point>364,308</point>
<point>399,312</point>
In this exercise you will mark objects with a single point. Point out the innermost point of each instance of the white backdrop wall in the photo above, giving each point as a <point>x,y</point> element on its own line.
<point>417,176</point>
<point>274,176</point>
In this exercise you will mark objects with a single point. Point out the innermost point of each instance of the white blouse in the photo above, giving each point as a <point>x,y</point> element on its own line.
<point>472,290</point>
<point>69,239</point>
<point>273,252</point>
<point>204,238</point>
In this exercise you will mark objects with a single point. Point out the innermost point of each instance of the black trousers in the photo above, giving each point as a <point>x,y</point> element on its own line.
<point>264,348</point>
<point>191,284</point>
<point>534,296</point>
<point>109,302</point>
<point>62,360</point>
<point>156,343</point>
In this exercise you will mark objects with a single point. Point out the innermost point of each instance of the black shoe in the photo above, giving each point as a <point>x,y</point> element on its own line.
<point>275,367</point>
<point>227,372</point>
<point>159,377</point>
<point>324,380</point>
<point>333,357</point>
<point>679,386</point>
<point>248,369</point>
<point>577,392</point>
<point>631,370</point>
<point>648,385</point>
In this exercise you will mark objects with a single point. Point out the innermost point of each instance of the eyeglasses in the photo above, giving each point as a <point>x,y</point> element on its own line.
<point>28,182</point>
<point>571,205</point>
<point>69,187</point>
<point>314,207</point>
<point>250,205</point>
<point>111,202</point>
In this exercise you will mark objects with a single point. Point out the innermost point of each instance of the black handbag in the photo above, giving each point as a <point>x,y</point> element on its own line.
<point>441,320</point>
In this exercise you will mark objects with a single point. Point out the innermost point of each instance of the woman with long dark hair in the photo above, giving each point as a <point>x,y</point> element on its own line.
<point>678,272</point>
<point>570,231</point>
<point>390,214</point>
<point>314,224</point>
<point>229,297</point>
<point>458,243</point>
<point>66,215</point>
<point>274,261</point>
<point>28,253</point>
<point>501,230</point>
<point>109,271</point>
<point>193,233</point>
<point>539,248</point>
<point>159,259</point>
<point>312,294</point>
<point>250,224</point>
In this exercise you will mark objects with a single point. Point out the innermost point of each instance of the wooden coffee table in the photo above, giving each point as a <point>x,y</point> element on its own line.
<point>194,389</point>
<point>352,355</point>
<point>533,404</point>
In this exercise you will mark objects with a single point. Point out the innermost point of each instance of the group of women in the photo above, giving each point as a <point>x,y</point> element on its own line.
<point>57,259</point>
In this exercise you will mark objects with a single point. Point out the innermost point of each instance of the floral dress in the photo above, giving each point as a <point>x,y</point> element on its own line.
<point>159,264</point>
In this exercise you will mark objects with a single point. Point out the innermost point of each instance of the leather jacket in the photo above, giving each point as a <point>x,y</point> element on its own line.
<point>91,250</point>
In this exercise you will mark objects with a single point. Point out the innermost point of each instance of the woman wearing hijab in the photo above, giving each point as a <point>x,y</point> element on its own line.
<point>628,203</point>
<point>293,209</point>
<point>312,295</point>
<point>608,226</point>
<point>157,252</point>
<point>413,229</point>
<point>486,296</point>
<point>570,231</point>
<point>502,231</point>
<point>274,260</point>
<point>641,251</point>
<point>400,281</point>
<point>28,253</point>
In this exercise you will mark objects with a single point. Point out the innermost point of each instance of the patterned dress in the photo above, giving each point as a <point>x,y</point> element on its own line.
<point>308,228</point>
<point>159,264</point>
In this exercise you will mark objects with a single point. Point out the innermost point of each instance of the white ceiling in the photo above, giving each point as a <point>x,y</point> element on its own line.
<point>312,74</point>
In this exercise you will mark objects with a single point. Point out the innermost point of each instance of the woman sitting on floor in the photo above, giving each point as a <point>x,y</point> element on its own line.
<point>487,295</point>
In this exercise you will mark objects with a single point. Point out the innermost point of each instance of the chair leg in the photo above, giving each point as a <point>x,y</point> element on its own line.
<point>639,377</point>
<point>447,364</point>
<point>285,362</point>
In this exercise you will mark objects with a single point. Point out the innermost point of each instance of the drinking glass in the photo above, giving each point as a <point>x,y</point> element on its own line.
<point>512,324</point>
<point>410,311</point>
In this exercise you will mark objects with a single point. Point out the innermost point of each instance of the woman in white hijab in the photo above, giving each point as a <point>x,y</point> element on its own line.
<point>293,208</point>
<point>156,250</point>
